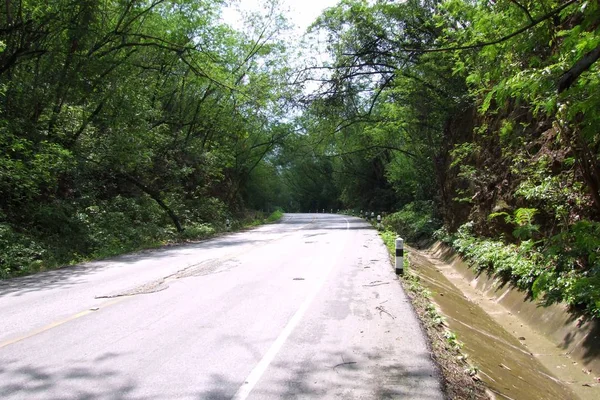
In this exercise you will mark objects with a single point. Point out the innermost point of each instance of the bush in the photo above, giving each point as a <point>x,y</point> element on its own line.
<point>564,268</point>
<point>198,231</point>
<point>519,264</point>
<point>125,224</point>
<point>19,254</point>
<point>415,222</point>
<point>572,271</point>
<point>275,216</point>
<point>67,232</point>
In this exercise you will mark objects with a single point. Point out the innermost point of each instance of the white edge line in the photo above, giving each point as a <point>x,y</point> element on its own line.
<point>260,368</point>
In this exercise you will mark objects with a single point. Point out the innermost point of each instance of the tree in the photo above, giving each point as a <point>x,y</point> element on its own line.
<point>110,106</point>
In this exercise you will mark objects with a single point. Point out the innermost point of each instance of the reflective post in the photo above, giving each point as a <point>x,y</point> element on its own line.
<point>399,256</point>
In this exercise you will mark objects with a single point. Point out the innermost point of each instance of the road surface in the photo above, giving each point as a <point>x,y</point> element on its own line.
<point>308,308</point>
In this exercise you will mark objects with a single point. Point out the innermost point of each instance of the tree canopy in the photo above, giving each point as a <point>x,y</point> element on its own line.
<point>129,122</point>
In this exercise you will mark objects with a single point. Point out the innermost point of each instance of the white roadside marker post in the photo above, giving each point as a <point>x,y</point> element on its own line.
<point>399,256</point>
<point>379,222</point>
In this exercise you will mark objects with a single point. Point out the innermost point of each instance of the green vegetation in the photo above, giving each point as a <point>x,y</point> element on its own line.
<point>477,116</point>
<point>128,124</point>
<point>275,216</point>
<point>552,272</point>
<point>414,222</point>
<point>389,238</point>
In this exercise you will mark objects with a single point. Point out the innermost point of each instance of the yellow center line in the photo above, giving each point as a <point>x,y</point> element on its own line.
<point>61,322</point>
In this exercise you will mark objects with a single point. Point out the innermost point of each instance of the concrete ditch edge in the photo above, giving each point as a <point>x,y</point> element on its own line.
<point>576,335</point>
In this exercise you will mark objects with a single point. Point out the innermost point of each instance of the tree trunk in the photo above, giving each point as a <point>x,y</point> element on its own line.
<point>156,197</point>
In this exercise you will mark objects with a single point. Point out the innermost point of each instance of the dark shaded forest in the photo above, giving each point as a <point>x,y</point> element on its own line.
<point>128,124</point>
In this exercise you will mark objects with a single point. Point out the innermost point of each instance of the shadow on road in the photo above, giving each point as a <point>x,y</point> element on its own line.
<point>333,375</point>
<point>90,379</point>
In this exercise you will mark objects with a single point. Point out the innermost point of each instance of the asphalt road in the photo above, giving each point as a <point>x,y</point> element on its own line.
<point>308,308</point>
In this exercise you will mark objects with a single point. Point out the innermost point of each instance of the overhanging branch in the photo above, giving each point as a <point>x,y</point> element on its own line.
<point>374,147</point>
<point>497,41</point>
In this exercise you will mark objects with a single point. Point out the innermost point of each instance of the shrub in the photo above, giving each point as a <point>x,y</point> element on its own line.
<point>198,231</point>
<point>414,222</point>
<point>564,268</point>
<point>275,216</point>
<point>19,254</point>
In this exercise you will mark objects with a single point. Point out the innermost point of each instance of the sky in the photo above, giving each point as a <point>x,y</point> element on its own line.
<point>302,12</point>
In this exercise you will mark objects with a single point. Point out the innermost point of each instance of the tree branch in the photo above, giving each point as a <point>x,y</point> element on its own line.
<point>522,7</point>
<point>408,153</point>
<point>569,77</point>
<point>493,42</point>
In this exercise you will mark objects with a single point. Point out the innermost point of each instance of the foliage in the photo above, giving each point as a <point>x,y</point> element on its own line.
<point>127,124</point>
<point>572,274</point>
<point>389,239</point>
<point>18,253</point>
<point>565,271</point>
<point>521,264</point>
<point>275,216</point>
<point>486,110</point>
<point>414,222</point>
<point>523,218</point>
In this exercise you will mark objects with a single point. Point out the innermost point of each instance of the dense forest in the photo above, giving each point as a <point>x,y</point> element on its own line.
<point>127,124</point>
<point>131,123</point>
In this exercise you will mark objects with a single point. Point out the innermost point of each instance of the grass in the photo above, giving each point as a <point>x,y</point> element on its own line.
<point>275,216</point>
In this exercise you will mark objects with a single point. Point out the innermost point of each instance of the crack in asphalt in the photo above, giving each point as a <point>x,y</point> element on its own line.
<point>206,267</point>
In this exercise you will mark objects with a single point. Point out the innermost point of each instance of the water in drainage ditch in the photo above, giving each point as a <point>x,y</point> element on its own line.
<point>507,367</point>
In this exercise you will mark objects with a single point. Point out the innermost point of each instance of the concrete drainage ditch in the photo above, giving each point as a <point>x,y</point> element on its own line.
<point>523,350</point>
